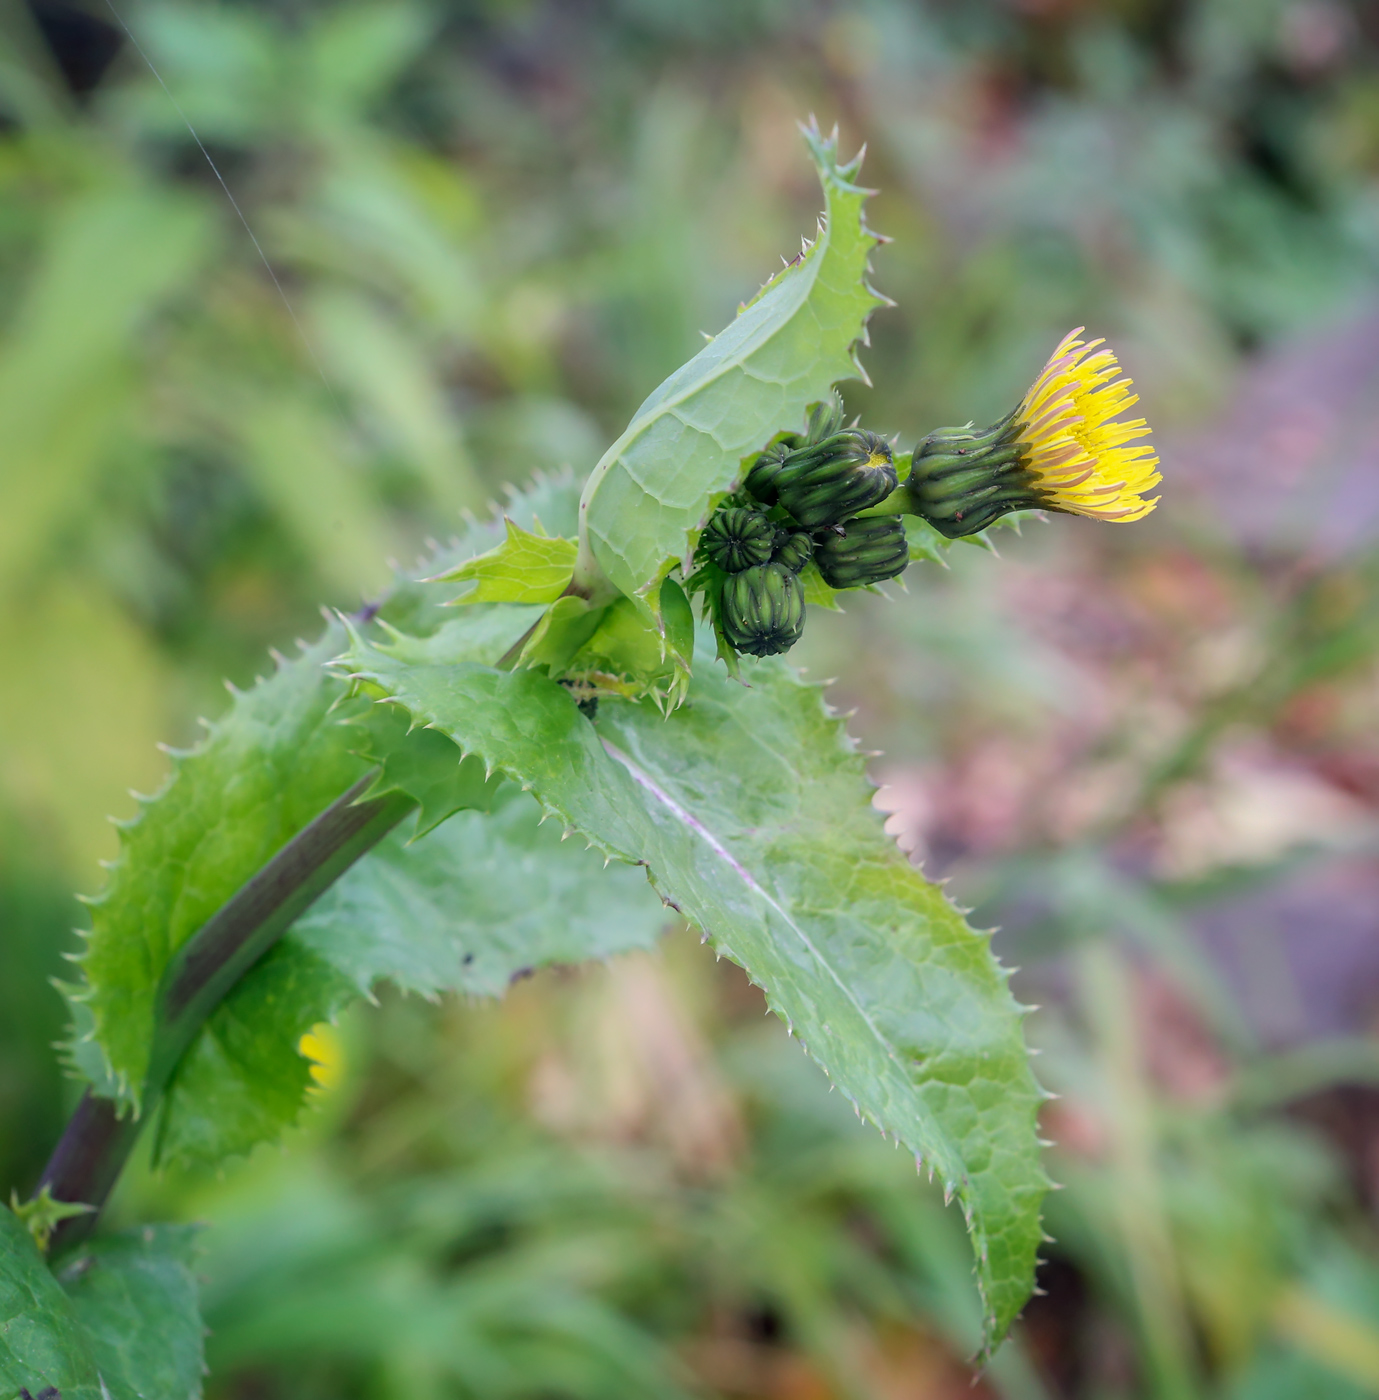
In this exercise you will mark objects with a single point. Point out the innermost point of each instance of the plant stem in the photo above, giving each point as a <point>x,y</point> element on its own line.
<point>899,502</point>
<point>97,1141</point>
<point>87,1162</point>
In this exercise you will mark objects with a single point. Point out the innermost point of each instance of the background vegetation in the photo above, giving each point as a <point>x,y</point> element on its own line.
<point>1151,755</point>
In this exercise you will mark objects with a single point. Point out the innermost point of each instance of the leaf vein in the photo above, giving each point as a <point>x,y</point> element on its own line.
<point>720,849</point>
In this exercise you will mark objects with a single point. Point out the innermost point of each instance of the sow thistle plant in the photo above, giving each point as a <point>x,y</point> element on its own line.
<point>390,804</point>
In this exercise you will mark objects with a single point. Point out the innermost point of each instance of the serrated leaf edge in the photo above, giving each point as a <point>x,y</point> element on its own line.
<point>834,176</point>
<point>953,1187</point>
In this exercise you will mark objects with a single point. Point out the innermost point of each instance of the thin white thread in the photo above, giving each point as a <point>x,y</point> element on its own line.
<point>234,203</point>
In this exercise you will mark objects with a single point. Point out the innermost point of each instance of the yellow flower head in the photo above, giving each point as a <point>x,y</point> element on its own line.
<point>322,1046</point>
<point>1075,451</point>
<point>1060,449</point>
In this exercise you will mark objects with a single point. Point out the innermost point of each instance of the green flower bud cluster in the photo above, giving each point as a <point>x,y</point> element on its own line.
<point>761,479</point>
<point>801,500</point>
<point>759,601</point>
<point>794,551</point>
<point>828,482</point>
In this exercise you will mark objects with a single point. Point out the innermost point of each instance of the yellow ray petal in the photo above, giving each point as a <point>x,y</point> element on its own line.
<point>1081,458</point>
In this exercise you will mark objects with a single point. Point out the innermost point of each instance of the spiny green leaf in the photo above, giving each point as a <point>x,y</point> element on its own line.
<point>119,1322</point>
<point>419,607</point>
<point>478,901</point>
<point>566,627</point>
<point>750,808</point>
<point>281,754</point>
<point>525,568</point>
<point>41,1215</point>
<point>626,655</point>
<point>425,765</point>
<point>136,1296</point>
<point>276,760</point>
<point>42,1344</point>
<point>242,1080</point>
<point>683,451</point>
<point>677,617</point>
<point>484,901</point>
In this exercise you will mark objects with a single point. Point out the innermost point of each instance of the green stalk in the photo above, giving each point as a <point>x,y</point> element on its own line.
<point>97,1141</point>
<point>899,502</point>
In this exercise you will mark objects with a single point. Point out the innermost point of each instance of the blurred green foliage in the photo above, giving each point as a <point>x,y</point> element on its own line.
<point>492,228</point>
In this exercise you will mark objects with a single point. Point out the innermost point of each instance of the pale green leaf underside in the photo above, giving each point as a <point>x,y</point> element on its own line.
<point>750,808</point>
<point>119,1323</point>
<point>480,900</point>
<point>653,489</point>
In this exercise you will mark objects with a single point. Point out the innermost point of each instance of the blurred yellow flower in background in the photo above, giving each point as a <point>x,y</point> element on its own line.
<point>323,1047</point>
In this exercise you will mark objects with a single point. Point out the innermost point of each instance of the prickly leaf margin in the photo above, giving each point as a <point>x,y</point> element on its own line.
<point>119,1320</point>
<point>285,749</point>
<point>749,807</point>
<point>684,450</point>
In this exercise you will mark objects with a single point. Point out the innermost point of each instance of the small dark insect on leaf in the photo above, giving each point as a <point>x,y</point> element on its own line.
<point>521,973</point>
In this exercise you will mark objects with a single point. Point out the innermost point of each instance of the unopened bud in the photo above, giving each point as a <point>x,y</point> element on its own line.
<point>794,552</point>
<point>836,478</point>
<point>760,481</point>
<point>736,539</point>
<point>763,610</point>
<point>825,419</point>
<point>862,552</point>
<point>962,480</point>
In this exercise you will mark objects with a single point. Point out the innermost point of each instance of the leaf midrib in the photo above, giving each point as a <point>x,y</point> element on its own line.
<point>720,849</point>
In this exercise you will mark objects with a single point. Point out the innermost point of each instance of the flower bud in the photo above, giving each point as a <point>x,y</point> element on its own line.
<point>736,539</point>
<point>961,481</point>
<point>794,551</point>
<point>760,481</point>
<point>834,479</point>
<point>763,610</point>
<point>864,551</point>
<point>825,419</point>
